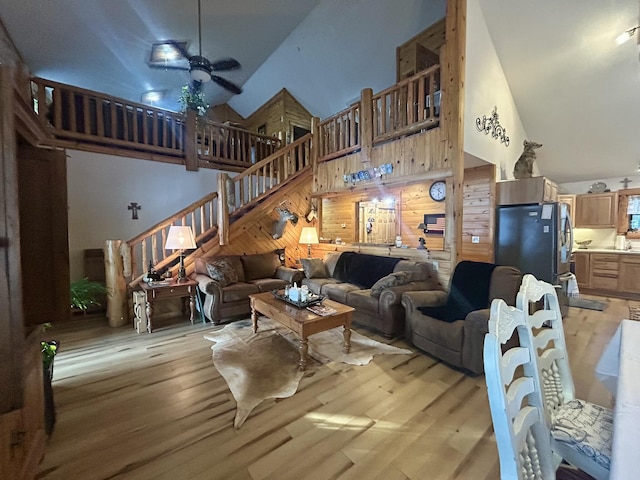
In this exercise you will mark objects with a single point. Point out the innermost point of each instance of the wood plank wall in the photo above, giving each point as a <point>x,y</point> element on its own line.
<point>432,38</point>
<point>279,114</point>
<point>478,214</point>
<point>414,155</point>
<point>252,233</point>
<point>412,202</point>
<point>224,113</point>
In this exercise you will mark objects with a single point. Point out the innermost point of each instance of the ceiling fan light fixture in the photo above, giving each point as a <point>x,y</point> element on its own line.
<point>199,73</point>
<point>152,97</point>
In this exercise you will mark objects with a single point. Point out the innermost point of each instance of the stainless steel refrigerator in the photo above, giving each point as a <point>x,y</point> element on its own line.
<point>535,238</point>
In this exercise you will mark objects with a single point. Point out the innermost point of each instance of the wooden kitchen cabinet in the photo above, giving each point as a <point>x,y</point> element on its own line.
<point>604,271</point>
<point>526,190</point>
<point>596,210</point>
<point>571,201</point>
<point>582,269</point>
<point>629,275</point>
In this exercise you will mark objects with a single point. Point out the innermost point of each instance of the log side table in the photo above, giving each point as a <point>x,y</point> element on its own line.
<point>174,289</point>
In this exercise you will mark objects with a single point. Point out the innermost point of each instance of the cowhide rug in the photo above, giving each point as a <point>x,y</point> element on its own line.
<point>265,365</point>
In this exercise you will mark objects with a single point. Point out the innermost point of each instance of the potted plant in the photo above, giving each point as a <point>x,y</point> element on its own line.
<point>83,293</point>
<point>192,98</point>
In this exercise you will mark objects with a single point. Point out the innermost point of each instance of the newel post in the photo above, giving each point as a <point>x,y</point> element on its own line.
<point>190,142</point>
<point>315,140</point>
<point>117,305</point>
<point>223,209</point>
<point>366,124</point>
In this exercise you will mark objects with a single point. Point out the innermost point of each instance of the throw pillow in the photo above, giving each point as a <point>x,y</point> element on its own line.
<point>314,268</point>
<point>391,280</point>
<point>222,272</point>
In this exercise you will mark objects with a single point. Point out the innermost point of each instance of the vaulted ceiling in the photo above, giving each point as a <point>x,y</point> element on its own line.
<point>575,90</point>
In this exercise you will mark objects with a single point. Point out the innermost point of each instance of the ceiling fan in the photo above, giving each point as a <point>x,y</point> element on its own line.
<point>200,68</point>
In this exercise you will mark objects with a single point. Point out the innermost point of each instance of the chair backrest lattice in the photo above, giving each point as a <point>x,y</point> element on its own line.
<point>515,398</point>
<point>548,340</point>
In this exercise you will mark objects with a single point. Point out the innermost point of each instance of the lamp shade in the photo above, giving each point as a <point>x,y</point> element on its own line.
<point>180,238</point>
<point>309,236</point>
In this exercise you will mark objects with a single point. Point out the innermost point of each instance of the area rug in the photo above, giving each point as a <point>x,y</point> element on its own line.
<point>265,365</point>
<point>587,303</point>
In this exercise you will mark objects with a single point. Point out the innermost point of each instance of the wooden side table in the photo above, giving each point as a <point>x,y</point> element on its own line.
<point>174,289</point>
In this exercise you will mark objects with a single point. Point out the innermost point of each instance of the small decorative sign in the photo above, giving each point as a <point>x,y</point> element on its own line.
<point>491,125</point>
<point>375,172</point>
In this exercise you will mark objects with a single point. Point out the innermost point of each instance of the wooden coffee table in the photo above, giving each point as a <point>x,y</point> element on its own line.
<point>302,321</point>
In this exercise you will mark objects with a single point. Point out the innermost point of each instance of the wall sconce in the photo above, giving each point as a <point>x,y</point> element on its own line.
<point>423,227</point>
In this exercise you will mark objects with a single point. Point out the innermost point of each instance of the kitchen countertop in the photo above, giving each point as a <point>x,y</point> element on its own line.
<point>605,250</point>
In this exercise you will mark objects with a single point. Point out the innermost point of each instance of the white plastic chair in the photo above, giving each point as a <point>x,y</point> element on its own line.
<point>581,431</point>
<point>517,411</point>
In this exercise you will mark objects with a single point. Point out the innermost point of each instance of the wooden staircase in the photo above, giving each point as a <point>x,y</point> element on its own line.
<point>212,216</point>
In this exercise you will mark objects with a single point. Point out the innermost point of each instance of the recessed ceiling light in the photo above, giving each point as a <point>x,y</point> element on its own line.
<point>152,97</point>
<point>167,51</point>
<point>626,35</point>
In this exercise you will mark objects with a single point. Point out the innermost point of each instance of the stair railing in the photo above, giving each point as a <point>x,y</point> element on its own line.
<point>210,214</point>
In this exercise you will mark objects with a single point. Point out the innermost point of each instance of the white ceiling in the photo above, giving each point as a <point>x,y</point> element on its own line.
<point>575,90</point>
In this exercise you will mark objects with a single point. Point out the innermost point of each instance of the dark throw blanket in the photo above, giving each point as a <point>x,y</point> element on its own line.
<point>363,270</point>
<point>469,292</point>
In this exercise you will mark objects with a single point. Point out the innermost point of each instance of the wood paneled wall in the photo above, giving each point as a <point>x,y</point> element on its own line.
<point>408,54</point>
<point>412,202</point>
<point>252,232</point>
<point>280,114</point>
<point>478,214</point>
<point>224,113</point>
<point>417,154</point>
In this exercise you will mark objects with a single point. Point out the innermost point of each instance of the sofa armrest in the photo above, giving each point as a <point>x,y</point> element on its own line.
<point>393,295</point>
<point>476,326</point>
<point>423,298</point>
<point>208,285</point>
<point>289,275</point>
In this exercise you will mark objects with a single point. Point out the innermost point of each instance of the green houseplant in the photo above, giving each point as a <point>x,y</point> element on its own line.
<point>192,98</point>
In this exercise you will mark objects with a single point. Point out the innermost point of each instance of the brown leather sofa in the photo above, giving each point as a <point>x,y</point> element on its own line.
<point>457,337</point>
<point>378,306</point>
<point>237,277</point>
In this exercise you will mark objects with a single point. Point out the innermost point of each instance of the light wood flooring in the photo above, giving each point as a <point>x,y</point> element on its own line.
<point>152,406</point>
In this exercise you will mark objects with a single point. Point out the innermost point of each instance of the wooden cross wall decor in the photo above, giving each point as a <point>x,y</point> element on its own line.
<point>626,182</point>
<point>134,207</point>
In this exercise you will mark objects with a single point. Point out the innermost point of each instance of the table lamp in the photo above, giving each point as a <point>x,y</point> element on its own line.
<point>179,238</point>
<point>309,236</point>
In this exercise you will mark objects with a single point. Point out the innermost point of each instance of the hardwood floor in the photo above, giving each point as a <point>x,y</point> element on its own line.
<point>152,406</point>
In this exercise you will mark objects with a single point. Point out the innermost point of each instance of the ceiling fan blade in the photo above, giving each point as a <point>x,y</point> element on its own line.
<point>167,67</point>
<point>179,46</point>
<point>232,87</point>
<point>225,64</point>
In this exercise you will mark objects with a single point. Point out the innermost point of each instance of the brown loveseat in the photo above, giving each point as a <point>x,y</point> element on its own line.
<point>372,284</point>
<point>227,281</point>
<point>452,326</point>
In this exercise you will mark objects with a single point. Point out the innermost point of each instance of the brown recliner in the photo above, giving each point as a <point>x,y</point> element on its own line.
<point>455,323</point>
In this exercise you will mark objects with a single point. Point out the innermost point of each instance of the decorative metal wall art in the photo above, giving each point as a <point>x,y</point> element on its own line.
<point>375,172</point>
<point>491,125</point>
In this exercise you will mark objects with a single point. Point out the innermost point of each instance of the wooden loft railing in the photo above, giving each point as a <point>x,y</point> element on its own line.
<point>397,111</point>
<point>407,107</point>
<point>211,215</point>
<point>80,118</point>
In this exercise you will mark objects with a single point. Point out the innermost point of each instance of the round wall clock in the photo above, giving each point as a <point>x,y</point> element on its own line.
<point>438,190</point>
